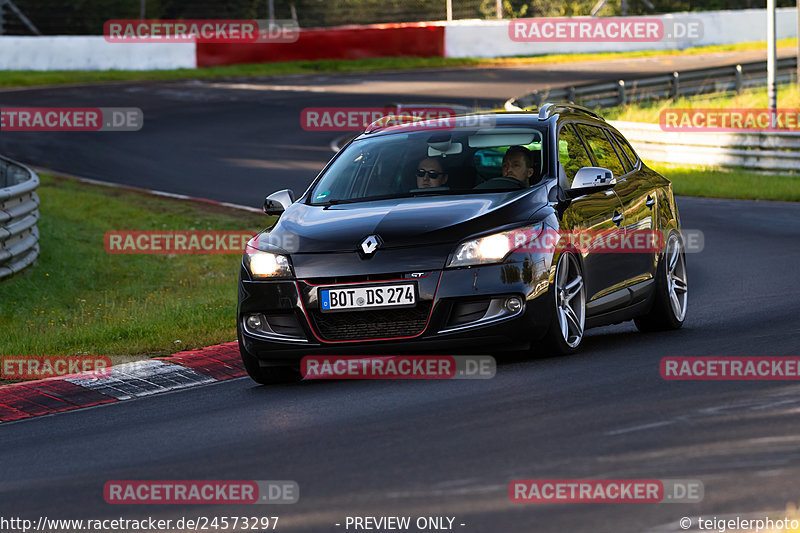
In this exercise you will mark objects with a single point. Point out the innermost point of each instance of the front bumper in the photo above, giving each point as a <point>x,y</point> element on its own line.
<point>458,311</point>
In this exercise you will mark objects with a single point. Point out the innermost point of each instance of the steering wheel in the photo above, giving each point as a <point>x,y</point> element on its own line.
<point>503,182</point>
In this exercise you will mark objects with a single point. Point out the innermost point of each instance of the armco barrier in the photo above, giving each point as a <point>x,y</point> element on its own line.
<point>756,150</point>
<point>748,149</point>
<point>19,212</point>
<point>685,83</point>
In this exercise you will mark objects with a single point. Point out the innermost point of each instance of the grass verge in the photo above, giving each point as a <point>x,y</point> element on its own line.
<point>788,97</point>
<point>26,78</point>
<point>81,300</point>
<point>740,184</point>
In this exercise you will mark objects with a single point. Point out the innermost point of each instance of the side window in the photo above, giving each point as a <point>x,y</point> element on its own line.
<point>626,149</point>
<point>603,150</point>
<point>625,161</point>
<point>571,152</point>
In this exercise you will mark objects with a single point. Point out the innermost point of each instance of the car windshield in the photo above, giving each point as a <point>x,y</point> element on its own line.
<point>457,161</point>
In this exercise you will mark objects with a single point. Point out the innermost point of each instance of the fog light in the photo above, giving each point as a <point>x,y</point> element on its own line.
<point>254,322</point>
<point>513,304</point>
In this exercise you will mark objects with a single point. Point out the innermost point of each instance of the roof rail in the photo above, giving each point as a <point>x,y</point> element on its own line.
<point>547,110</point>
<point>404,119</point>
<point>388,121</point>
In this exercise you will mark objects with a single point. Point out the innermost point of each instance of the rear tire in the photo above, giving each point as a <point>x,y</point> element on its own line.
<point>568,307</point>
<point>671,291</point>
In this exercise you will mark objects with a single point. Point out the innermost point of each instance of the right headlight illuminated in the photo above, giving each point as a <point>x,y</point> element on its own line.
<point>492,248</point>
<point>266,264</point>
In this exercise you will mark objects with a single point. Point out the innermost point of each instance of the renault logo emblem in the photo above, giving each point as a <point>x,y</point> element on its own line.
<point>370,244</point>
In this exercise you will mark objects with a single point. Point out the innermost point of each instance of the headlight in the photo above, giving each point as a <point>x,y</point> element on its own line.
<point>493,248</point>
<point>267,265</point>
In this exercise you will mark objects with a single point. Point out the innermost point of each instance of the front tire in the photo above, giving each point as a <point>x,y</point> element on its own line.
<point>270,375</point>
<point>568,307</point>
<point>671,291</point>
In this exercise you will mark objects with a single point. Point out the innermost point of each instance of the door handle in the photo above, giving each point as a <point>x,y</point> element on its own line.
<point>650,201</point>
<point>617,218</point>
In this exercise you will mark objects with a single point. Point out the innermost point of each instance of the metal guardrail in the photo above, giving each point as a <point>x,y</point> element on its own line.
<point>686,83</point>
<point>19,212</point>
<point>748,149</point>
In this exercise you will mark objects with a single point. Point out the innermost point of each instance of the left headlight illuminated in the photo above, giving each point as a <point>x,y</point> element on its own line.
<point>492,248</point>
<point>267,265</point>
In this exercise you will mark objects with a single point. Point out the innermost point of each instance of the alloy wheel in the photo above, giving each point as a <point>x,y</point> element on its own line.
<point>676,277</point>
<point>570,300</point>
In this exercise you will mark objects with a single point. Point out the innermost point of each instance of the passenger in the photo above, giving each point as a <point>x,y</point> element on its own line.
<point>430,173</point>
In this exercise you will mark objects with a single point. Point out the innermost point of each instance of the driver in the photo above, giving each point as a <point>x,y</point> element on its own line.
<point>518,164</point>
<point>430,173</point>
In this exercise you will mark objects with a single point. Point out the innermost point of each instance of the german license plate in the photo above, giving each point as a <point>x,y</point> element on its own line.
<point>355,297</point>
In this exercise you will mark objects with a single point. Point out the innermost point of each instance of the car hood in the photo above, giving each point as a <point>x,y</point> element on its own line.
<point>399,222</point>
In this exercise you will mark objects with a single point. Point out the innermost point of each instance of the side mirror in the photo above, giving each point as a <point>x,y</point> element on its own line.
<point>591,179</point>
<point>277,202</point>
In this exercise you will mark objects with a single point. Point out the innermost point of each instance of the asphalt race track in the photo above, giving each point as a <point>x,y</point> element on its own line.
<point>424,448</point>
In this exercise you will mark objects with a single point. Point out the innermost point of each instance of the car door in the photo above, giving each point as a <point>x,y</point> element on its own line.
<point>596,211</point>
<point>639,201</point>
<point>632,190</point>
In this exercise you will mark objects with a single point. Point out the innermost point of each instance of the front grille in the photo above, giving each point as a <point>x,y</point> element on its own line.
<point>354,279</point>
<point>365,324</point>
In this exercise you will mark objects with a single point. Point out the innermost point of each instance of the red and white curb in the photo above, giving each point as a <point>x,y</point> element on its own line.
<point>126,381</point>
<point>129,380</point>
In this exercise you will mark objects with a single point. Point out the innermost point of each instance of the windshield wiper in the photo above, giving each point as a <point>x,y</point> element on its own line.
<point>357,200</point>
<point>425,192</point>
<point>335,202</point>
<point>411,194</point>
